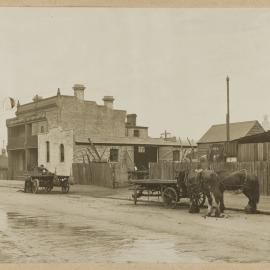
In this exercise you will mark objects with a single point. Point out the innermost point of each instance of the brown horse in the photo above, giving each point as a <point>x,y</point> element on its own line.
<point>241,180</point>
<point>208,182</point>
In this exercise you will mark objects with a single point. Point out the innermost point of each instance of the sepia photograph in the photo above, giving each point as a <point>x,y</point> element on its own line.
<point>134,135</point>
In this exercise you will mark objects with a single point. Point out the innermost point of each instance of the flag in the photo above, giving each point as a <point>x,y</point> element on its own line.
<point>12,102</point>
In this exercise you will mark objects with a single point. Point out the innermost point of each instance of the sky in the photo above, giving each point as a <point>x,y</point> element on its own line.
<point>168,66</point>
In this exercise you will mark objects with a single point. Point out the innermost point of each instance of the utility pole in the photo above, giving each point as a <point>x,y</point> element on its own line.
<point>228,110</point>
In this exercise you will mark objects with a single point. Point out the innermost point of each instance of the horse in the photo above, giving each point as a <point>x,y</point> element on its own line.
<point>206,181</point>
<point>247,183</point>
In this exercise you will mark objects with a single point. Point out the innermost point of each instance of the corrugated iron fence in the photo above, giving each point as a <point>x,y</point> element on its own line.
<point>168,170</point>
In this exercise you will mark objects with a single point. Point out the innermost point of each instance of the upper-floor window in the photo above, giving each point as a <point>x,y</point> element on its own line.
<point>62,153</point>
<point>176,155</point>
<point>48,151</point>
<point>136,133</point>
<point>42,129</point>
<point>114,155</point>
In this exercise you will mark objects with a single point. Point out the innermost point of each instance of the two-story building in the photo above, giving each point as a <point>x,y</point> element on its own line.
<point>59,130</point>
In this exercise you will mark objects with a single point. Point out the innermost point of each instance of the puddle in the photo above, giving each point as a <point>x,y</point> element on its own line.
<point>51,239</point>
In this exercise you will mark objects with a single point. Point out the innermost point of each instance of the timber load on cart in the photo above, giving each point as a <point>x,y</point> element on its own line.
<point>42,179</point>
<point>171,191</point>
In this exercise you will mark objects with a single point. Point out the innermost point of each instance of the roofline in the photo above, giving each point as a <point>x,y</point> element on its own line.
<point>218,141</point>
<point>133,144</point>
<point>251,121</point>
<point>140,127</point>
<point>29,103</point>
<point>251,136</point>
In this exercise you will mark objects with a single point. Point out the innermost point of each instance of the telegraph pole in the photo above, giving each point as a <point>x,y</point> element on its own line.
<point>228,110</point>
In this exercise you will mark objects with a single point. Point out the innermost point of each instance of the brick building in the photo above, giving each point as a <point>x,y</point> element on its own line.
<point>55,132</point>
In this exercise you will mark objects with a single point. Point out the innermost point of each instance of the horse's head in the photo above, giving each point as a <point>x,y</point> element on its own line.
<point>209,180</point>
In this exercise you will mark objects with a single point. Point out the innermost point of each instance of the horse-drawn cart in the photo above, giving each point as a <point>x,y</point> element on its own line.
<point>171,191</point>
<point>45,180</point>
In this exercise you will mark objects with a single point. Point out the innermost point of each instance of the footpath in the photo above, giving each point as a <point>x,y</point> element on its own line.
<point>232,200</point>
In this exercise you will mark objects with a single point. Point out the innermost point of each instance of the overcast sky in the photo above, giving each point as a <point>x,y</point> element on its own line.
<point>167,65</point>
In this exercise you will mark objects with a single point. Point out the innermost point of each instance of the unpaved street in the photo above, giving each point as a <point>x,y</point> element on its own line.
<point>107,227</point>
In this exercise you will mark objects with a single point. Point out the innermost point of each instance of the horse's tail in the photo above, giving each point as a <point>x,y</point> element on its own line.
<point>256,188</point>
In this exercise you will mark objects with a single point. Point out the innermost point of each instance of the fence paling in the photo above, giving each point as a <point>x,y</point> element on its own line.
<point>93,173</point>
<point>168,170</point>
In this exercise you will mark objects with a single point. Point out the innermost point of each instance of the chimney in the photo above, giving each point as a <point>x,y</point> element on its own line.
<point>108,101</point>
<point>79,91</point>
<point>131,119</point>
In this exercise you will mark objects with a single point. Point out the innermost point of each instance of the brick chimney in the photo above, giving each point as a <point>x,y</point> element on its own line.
<point>79,91</point>
<point>131,119</point>
<point>108,101</point>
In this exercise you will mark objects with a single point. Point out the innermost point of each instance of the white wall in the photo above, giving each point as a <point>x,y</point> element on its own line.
<point>56,137</point>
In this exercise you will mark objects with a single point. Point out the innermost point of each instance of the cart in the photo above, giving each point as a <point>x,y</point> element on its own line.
<point>171,191</point>
<point>47,182</point>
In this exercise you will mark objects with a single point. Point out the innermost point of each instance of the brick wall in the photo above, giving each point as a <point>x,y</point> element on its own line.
<point>56,137</point>
<point>88,118</point>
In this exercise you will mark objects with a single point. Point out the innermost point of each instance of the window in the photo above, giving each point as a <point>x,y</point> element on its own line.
<point>114,155</point>
<point>136,133</point>
<point>42,129</point>
<point>176,155</point>
<point>48,151</point>
<point>141,149</point>
<point>62,153</point>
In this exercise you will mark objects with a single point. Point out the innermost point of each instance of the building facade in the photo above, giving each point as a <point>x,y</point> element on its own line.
<point>61,130</point>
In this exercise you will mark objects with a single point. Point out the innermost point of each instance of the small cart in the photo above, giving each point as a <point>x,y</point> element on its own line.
<point>171,191</point>
<point>47,181</point>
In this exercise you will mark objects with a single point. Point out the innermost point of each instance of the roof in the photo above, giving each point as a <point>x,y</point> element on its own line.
<point>128,141</point>
<point>256,138</point>
<point>217,133</point>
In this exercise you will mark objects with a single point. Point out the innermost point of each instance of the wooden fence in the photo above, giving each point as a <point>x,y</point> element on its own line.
<point>168,170</point>
<point>100,173</point>
<point>3,173</point>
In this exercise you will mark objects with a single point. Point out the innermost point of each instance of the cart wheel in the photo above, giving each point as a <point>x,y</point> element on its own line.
<point>35,185</point>
<point>65,187</point>
<point>170,197</point>
<point>202,198</point>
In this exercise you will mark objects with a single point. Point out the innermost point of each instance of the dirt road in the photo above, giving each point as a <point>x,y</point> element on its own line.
<point>79,227</point>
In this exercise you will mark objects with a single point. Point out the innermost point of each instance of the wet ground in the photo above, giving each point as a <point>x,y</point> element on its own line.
<point>103,225</point>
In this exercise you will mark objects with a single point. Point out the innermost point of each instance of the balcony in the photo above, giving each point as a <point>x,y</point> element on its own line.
<point>32,142</point>
<point>19,142</point>
<point>15,143</point>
